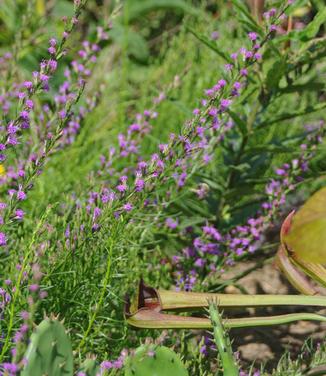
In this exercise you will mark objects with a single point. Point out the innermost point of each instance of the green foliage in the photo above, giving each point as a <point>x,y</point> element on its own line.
<point>245,18</point>
<point>155,46</point>
<point>49,351</point>
<point>137,9</point>
<point>209,43</point>
<point>132,41</point>
<point>154,361</point>
<point>311,30</point>
<point>90,367</point>
<point>308,362</point>
<point>223,343</point>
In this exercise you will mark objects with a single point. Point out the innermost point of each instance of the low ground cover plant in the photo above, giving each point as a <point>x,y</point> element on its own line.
<point>163,142</point>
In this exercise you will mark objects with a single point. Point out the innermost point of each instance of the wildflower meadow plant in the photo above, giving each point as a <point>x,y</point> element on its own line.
<point>226,135</point>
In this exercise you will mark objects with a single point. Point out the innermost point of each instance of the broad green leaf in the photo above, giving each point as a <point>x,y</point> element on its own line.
<point>307,235</point>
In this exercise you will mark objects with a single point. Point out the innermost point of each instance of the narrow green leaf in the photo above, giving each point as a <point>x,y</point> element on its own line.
<point>275,74</point>
<point>310,31</point>
<point>292,115</point>
<point>212,45</point>
<point>246,18</point>
<point>313,27</point>
<point>239,122</point>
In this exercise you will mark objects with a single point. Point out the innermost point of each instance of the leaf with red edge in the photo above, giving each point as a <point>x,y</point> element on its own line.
<point>306,236</point>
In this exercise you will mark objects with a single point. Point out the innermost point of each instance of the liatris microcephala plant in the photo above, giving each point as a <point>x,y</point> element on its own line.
<point>129,215</point>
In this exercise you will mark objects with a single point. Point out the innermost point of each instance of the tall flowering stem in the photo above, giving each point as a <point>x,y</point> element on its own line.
<point>41,78</point>
<point>17,290</point>
<point>61,128</point>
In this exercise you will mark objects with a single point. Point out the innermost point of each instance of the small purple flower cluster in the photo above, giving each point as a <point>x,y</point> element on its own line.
<point>114,364</point>
<point>124,190</point>
<point>211,249</point>
<point>28,281</point>
<point>174,160</point>
<point>5,298</point>
<point>18,179</point>
<point>55,124</point>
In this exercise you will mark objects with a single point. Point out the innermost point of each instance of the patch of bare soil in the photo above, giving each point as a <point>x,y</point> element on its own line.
<point>267,344</point>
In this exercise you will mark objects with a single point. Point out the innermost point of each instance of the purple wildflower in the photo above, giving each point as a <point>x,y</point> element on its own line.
<point>3,239</point>
<point>171,223</point>
<point>127,207</point>
<point>252,36</point>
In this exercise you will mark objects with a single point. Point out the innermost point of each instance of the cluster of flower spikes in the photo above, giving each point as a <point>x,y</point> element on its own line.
<point>44,124</point>
<point>210,248</point>
<point>9,137</point>
<point>129,146</point>
<point>97,199</point>
<point>114,364</point>
<point>122,190</point>
<point>173,160</point>
<point>81,67</point>
<point>30,275</point>
<point>110,176</point>
<point>45,121</point>
<point>178,153</point>
<point>196,140</point>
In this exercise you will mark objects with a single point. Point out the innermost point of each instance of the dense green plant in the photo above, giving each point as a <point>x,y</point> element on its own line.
<point>81,221</point>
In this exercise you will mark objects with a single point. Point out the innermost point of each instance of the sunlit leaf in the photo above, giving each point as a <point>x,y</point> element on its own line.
<point>307,235</point>
<point>40,7</point>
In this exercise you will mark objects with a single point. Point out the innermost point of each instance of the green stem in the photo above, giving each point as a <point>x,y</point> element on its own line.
<point>172,300</point>
<point>223,342</point>
<point>101,299</point>
<point>273,320</point>
<point>149,319</point>
<point>17,292</point>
